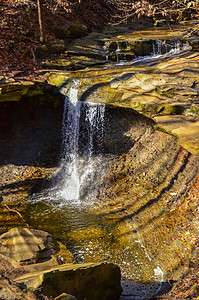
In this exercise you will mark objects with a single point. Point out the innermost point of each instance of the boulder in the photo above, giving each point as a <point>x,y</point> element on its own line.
<point>78,30</point>
<point>194,43</point>
<point>11,290</point>
<point>84,281</point>
<point>61,33</point>
<point>10,268</point>
<point>141,47</point>
<point>50,48</point>
<point>26,246</point>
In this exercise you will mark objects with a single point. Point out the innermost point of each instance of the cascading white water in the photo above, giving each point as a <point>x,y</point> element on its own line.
<point>78,166</point>
<point>162,47</point>
<point>94,119</point>
<point>70,131</point>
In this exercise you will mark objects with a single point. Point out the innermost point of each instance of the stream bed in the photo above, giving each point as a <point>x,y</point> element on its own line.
<point>119,192</point>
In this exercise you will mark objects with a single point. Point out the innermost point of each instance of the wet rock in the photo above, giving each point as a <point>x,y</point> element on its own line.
<point>194,43</point>
<point>141,47</point>
<point>90,281</point>
<point>50,48</point>
<point>78,30</point>
<point>194,109</point>
<point>166,87</point>
<point>74,61</point>
<point>116,45</point>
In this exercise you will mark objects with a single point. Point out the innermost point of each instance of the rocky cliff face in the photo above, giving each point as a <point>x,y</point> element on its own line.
<point>30,141</point>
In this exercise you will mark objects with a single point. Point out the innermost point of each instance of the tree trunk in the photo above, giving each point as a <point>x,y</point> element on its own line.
<point>41,21</point>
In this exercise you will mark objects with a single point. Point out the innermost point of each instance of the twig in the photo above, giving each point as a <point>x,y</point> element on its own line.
<point>33,55</point>
<point>13,210</point>
<point>25,52</point>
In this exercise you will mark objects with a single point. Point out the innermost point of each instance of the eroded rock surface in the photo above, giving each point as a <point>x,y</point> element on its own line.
<point>28,264</point>
<point>90,281</point>
<point>167,87</point>
<point>26,246</point>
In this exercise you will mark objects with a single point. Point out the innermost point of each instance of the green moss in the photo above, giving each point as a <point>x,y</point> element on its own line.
<point>56,79</point>
<point>14,95</point>
<point>194,109</point>
<point>162,129</point>
<point>172,109</point>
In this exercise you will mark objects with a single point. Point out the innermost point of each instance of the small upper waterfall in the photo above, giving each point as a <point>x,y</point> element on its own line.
<point>83,124</point>
<point>161,47</point>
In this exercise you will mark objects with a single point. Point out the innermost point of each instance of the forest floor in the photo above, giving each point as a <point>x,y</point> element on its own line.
<point>20,35</point>
<point>19,38</point>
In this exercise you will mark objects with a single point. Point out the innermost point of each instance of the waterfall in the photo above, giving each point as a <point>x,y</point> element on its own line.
<point>161,47</point>
<point>118,47</point>
<point>70,132</point>
<point>83,124</point>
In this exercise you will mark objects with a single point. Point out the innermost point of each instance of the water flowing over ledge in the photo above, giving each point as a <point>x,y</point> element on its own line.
<point>79,168</point>
<point>123,192</point>
<point>110,188</point>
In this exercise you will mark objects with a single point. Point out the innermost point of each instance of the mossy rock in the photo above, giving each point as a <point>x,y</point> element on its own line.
<point>194,109</point>
<point>15,91</point>
<point>56,79</point>
<point>172,110</point>
<point>164,109</point>
<point>78,30</point>
<point>50,48</point>
<point>61,33</point>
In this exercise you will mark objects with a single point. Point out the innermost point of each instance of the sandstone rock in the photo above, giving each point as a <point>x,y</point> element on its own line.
<point>141,47</point>
<point>90,281</point>
<point>185,127</point>
<point>16,90</point>
<point>10,290</point>
<point>74,61</point>
<point>26,246</point>
<point>9,268</point>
